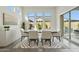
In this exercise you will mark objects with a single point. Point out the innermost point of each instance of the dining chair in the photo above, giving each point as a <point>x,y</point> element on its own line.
<point>46,35</point>
<point>23,34</point>
<point>57,35</point>
<point>33,36</point>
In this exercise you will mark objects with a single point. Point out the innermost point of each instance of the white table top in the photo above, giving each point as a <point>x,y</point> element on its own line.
<point>40,30</point>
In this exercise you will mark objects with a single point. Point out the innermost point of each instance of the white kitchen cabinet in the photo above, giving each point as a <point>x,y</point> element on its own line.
<point>8,37</point>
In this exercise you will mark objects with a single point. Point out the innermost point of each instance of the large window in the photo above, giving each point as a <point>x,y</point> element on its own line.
<point>71,26</point>
<point>66,25</point>
<point>31,16</point>
<point>75,24</point>
<point>39,20</point>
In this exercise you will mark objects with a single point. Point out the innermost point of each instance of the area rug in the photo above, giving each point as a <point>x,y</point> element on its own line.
<point>24,44</point>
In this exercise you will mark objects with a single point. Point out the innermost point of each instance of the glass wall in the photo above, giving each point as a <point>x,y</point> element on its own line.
<point>71,26</point>
<point>66,25</point>
<point>75,24</point>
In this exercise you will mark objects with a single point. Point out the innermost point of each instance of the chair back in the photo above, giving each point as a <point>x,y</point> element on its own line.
<point>23,33</point>
<point>33,35</point>
<point>56,34</point>
<point>46,35</point>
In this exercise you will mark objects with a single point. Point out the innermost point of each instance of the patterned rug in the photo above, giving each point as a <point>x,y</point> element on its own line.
<point>24,44</point>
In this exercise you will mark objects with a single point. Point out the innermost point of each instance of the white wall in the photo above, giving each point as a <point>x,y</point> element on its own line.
<point>8,37</point>
<point>42,9</point>
<point>1,19</point>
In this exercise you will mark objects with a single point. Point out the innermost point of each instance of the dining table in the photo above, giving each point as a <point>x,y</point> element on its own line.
<point>54,34</point>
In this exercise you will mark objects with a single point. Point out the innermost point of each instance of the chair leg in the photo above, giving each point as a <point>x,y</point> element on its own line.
<point>34,41</point>
<point>50,42</point>
<point>42,42</point>
<point>59,38</point>
<point>37,42</point>
<point>29,42</point>
<point>21,38</point>
<point>53,38</point>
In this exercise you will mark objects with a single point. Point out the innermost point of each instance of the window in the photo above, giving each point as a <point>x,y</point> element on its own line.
<point>39,14</point>
<point>71,25</point>
<point>75,15</point>
<point>47,14</point>
<point>66,25</point>
<point>33,17</point>
<point>31,14</point>
<point>75,23</point>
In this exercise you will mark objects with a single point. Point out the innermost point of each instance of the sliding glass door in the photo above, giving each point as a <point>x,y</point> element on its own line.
<point>71,27</point>
<point>75,25</point>
<point>66,25</point>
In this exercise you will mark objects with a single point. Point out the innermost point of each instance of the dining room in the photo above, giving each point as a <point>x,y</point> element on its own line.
<point>39,28</point>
